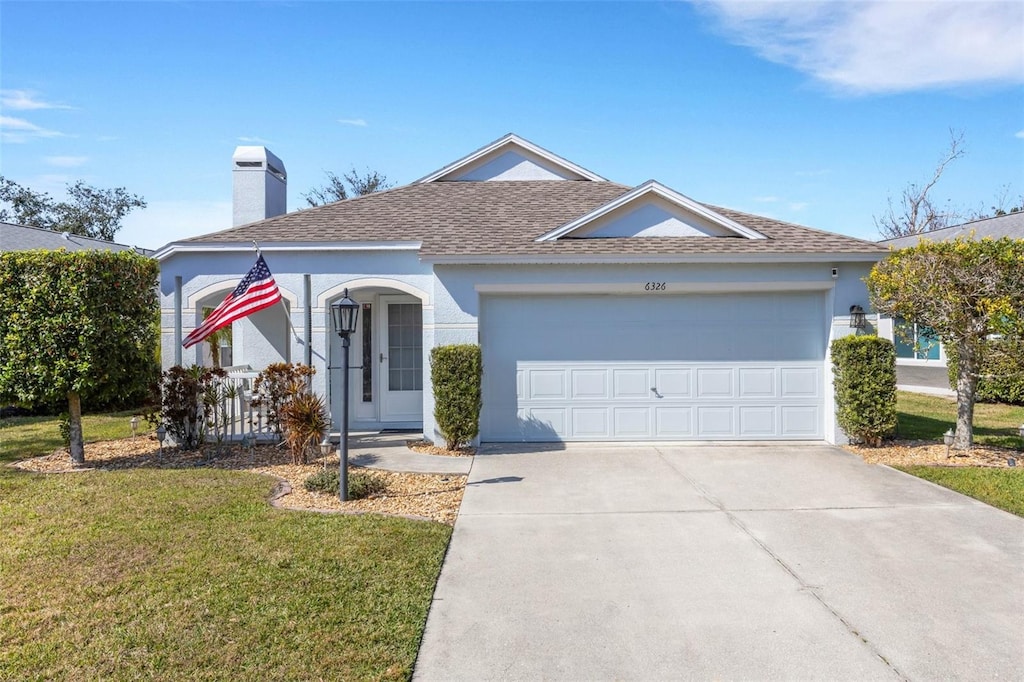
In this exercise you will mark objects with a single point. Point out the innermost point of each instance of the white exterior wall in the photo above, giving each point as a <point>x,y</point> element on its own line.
<point>209,276</point>
<point>457,294</point>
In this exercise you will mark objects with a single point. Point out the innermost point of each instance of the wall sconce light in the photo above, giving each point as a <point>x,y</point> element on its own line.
<point>857,318</point>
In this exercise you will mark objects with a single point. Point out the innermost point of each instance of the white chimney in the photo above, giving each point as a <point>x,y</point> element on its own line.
<point>260,185</point>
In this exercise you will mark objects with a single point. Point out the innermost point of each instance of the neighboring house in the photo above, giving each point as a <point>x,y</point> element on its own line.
<point>24,238</point>
<point>604,312</point>
<point>920,358</point>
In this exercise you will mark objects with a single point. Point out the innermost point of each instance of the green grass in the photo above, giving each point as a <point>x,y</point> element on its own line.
<point>172,574</point>
<point>22,437</point>
<point>926,417</point>
<point>1002,488</point>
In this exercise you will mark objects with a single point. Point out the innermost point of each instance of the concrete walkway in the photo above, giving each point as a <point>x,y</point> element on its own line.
<point>766,563</point>
<point>389,451</point>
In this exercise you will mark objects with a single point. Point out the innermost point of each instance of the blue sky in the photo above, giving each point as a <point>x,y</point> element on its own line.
<point>810,112</point>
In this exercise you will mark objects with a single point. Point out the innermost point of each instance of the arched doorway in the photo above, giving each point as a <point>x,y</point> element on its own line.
<point>386,360</point>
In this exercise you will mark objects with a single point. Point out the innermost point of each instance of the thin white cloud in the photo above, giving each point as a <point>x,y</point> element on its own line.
<point>19,130</point>
<point>26,100</point>
<point>253,140</point>
<point>766,200</point>
<point>798,205</point>
<point>66,161</point>
<point>880,46</point>
<point>1020,134</point>
<point>358,122</point>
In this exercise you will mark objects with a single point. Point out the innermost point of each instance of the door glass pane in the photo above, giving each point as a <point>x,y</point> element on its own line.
<point>367,354</point>
<point>405,347</point>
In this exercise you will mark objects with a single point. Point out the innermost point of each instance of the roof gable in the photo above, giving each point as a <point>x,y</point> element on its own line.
<point>651,210</point>
<point>511,158</point>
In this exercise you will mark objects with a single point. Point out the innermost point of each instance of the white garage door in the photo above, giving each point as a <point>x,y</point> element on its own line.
<point>700,367</point>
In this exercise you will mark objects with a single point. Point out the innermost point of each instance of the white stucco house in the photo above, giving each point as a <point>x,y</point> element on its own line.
<point>920,357</point>
<point>604,312</point>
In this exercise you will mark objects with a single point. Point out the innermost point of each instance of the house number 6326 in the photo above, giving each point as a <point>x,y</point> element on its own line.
<point>654,286</point>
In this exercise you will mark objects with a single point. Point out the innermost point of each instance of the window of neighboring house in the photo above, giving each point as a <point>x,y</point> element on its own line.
<point>916,341</point>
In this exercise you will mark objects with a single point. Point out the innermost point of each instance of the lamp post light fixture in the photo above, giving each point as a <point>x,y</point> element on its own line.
<point>345,313</point>
<point>857,318</point>
<point>947,438</point>
<point>161,434</point>
<point>135,425</point>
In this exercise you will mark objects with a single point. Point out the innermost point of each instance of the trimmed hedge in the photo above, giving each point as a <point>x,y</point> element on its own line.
<point>1001,377</point>
<point>865,383</point>
<point>456,372</point>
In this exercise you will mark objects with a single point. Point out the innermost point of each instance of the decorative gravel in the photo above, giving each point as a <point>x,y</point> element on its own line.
<point>424,496</point>
<point>914,452</point>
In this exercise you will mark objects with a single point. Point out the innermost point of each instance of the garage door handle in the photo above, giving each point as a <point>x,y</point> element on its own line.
<point>655,392</point>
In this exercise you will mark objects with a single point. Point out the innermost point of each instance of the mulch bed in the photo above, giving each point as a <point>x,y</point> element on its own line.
<point>929,453</point>
<point>421,496</point>
<point>427,448</point>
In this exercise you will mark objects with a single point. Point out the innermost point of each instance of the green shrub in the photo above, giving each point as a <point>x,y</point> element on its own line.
<point>360,484</point>
<point>865,383</point>
<point>1001,377</point>
<point>188,396</point>
<point>276,385</point>
<point>304,419</point>
<point>455,372</point>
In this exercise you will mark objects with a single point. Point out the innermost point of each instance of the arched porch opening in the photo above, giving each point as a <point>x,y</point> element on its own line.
<point>386,356</point>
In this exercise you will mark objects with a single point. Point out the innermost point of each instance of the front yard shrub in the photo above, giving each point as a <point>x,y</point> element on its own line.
<point>275,386</point>
<point>1001,375</point>
<point>189,396</point>
<point>865,381</point>
<point>304,420</point>
<point>456,372</point>
<point>360,484</point>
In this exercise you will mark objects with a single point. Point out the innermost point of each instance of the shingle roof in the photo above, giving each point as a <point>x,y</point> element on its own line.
<point>1009,225</point>
<point>24,238</point>
<point>504,219</point>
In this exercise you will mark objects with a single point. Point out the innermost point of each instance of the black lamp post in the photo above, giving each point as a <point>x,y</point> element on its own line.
<point>344,313</point>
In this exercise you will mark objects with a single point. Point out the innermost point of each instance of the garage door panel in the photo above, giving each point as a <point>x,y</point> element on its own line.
<point>589,384</point>
<point>715,382</point>
<point>715,422</point>
<point>757,382</point>
<point>758,421</point>
<point>674,422</point>
<point>722,367</point>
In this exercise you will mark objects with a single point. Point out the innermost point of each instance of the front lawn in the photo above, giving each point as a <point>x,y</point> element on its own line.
<point>926,417</point>
<point>189,573</point>
<point>22,437</point>
<point>1002,488</point>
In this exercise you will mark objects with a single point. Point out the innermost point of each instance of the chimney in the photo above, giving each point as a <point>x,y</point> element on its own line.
<point>260,185</point>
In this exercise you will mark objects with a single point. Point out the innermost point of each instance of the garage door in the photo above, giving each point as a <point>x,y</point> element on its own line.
<point>697,367</point>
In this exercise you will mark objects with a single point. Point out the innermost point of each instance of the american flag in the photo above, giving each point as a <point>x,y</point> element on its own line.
<point>256,291</point>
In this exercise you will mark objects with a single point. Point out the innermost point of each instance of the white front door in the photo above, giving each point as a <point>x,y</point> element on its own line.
<point>400,359</point>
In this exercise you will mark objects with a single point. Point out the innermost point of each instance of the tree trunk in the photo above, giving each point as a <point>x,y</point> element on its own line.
<point>966,385</point>
<point>75,419</point>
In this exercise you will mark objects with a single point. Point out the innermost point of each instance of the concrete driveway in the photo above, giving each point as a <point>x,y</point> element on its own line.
<point>738,562</point>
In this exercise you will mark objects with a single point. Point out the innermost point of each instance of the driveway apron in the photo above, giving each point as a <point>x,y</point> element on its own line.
<point>725,562</point>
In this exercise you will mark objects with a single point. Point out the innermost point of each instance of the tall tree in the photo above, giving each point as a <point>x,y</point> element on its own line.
<point>77,326</point>
<point>350,184</point>
<point>963,289</point>
<point>916,211</point>
<point>88,211</point>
